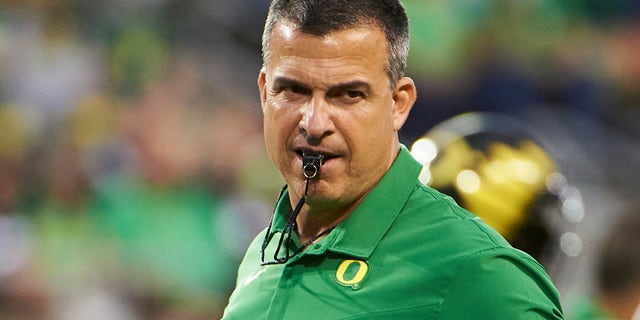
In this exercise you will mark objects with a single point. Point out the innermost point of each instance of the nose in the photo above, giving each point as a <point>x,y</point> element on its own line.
<point>317,120</point>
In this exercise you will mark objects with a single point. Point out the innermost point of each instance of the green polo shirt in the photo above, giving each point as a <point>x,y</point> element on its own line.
<point>406,252</point>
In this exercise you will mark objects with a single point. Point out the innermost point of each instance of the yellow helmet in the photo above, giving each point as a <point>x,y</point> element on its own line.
<point>496,167</point>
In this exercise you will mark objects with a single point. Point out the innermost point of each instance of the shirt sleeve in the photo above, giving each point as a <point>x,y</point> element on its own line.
<point>501,283</point>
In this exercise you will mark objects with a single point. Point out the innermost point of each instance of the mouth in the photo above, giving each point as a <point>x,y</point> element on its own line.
<point>313,161</point>
<point>325,156</point>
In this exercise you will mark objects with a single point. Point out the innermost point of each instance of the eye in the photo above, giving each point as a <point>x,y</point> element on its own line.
<point>350,96</point>
<point>297,89</point>
<point>291,91</point>
<point>354,94</point>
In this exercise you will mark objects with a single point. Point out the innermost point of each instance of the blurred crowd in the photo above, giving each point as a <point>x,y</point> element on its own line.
<point>132,166</point>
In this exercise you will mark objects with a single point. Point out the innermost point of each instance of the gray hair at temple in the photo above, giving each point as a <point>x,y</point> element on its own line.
<point>322,17</point>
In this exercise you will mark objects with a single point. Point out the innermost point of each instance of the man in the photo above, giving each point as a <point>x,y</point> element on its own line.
<point>617,272</point>
<point>356,235</point>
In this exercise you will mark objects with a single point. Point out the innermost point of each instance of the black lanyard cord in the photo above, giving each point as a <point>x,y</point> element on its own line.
<point>310,168</point>
<point>285,235</point>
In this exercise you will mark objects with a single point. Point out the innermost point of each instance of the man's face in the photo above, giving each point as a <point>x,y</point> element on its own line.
<point>332,95</point>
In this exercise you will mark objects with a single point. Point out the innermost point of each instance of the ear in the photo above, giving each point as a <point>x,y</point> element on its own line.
<point>262,86</point>
<point>404,97</point>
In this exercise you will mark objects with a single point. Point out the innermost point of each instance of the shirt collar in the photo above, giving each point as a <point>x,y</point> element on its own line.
<point>361,232</point>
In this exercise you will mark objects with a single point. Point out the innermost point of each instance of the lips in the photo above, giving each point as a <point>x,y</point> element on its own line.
<point>327,155</point>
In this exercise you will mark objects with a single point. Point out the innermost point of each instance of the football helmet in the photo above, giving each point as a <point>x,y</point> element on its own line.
<point>499,168</point>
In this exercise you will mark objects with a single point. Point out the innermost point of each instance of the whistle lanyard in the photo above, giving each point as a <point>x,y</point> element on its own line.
<point>310,168</point>
<point>285,234</point>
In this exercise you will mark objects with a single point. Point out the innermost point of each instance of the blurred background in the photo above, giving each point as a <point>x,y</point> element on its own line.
<point>132,168</point>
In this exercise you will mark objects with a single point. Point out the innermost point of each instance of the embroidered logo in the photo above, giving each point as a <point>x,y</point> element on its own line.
<point>350,273</point>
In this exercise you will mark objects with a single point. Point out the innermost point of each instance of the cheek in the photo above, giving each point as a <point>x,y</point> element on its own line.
<point>377,125</point>
<point>279,124</point>
<point>370,139</point>
<point>272,137</point>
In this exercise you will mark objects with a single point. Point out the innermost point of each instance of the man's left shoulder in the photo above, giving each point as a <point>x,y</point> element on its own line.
<point>431,213</point>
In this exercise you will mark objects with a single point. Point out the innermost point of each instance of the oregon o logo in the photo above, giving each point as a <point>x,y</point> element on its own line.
<point>351,273</point>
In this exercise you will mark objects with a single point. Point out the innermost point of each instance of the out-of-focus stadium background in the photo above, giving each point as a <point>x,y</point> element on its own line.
<point>132,170</point>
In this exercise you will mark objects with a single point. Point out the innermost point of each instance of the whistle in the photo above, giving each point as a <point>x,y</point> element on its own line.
<point>311,163</point>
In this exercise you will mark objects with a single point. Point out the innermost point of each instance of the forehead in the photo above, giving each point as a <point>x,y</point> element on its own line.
<point>355,50</point>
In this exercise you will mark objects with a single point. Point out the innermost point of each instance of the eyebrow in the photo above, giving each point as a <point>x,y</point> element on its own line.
<point>280,82</point>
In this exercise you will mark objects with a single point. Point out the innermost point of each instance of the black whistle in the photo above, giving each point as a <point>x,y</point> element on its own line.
<point>311,163</point>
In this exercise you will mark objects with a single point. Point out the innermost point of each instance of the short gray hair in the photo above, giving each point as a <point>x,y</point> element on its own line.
<point>321,17</point>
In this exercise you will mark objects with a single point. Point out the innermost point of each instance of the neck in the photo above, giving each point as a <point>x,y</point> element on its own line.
<point>313,220</point>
